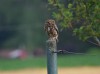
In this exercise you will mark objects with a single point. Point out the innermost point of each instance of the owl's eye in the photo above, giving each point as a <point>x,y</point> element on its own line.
<point>48,22</point>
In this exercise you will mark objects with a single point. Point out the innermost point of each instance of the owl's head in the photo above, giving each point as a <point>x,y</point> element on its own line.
<point>50,22</point>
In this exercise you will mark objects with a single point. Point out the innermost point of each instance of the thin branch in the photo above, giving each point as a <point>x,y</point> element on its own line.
<point>93,43</point>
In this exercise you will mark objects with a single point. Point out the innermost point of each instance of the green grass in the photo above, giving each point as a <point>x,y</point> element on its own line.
<point>20,64</point>
<point>79,60</point>
<point>40,62</point>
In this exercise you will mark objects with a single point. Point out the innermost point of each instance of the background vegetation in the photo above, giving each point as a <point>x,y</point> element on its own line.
<point>22,21</point>
<point>81,16</point>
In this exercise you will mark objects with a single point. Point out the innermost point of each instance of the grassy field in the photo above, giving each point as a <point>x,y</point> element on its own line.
<point>40,62</point>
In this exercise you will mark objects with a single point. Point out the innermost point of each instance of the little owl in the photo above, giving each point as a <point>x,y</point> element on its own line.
<point>51,29</point>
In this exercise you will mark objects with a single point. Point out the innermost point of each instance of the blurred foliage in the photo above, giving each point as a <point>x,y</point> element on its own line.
<point>21,23</point>
<point>82,16</point>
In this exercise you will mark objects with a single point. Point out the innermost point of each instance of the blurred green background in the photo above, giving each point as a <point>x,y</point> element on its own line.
<point>22,28</point>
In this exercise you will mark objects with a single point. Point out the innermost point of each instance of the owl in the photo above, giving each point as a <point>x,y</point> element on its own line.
<point>51,29</point>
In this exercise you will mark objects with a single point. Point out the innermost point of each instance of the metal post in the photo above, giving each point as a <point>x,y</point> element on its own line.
<point>51,57</point>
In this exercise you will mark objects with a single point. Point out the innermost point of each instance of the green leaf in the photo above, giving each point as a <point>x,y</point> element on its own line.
<point>70,5</point>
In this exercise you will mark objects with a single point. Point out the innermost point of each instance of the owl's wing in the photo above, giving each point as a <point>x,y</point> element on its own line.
<point>56,28</point>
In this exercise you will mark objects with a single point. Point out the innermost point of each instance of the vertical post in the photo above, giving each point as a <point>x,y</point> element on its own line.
<point>51,57</point>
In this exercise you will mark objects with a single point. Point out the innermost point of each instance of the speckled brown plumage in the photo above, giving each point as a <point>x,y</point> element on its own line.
<point>51,29</point>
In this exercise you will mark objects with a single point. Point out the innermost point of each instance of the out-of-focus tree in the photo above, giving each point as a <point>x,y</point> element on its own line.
<point>82,16</point>
<point>21,23</point>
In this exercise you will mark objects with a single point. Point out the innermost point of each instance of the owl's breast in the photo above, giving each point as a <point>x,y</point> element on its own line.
<point>48,28</point>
